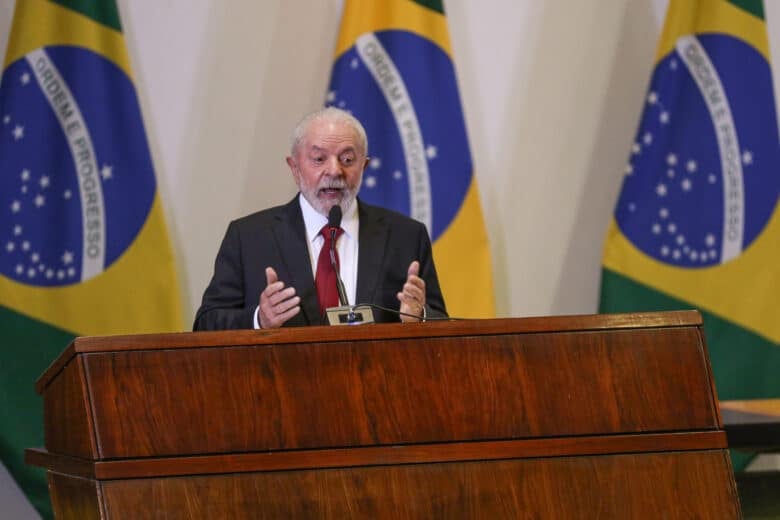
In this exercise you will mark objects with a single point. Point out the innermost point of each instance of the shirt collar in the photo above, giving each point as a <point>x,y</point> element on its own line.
<point>314,221</point>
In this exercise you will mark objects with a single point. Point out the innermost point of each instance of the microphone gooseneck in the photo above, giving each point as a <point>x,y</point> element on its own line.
<point>334,222</point>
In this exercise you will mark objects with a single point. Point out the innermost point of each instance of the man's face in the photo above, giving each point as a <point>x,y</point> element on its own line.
<point>328,165</point>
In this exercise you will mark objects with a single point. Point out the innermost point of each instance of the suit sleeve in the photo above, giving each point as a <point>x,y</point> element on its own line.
<point>225,303</point>
<point>434,301</point>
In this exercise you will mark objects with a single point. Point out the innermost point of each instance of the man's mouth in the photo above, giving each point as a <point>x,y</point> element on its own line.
<point>331,192</point>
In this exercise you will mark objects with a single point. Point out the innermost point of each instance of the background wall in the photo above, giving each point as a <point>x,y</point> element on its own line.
<point>552,93</point>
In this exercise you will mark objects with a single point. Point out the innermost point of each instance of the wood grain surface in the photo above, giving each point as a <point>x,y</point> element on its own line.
<point>652,486</point>
<point>395,391</point>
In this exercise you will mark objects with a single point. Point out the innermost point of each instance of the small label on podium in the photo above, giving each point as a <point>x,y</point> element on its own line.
<point>346,315</point>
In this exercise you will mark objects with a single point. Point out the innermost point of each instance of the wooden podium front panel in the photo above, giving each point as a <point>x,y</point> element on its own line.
<point>390,391</point>
<point>656,485</point>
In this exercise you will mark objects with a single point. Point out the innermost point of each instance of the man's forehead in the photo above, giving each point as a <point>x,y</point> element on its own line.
<point>329,136</point>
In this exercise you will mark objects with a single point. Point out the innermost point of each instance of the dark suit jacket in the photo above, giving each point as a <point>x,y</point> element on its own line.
<point>388,242</point>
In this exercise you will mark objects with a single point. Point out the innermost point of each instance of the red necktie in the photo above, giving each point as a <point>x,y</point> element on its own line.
<point>325,280</point>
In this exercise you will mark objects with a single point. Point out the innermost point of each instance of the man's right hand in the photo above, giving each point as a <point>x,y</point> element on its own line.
<point>277,304</point>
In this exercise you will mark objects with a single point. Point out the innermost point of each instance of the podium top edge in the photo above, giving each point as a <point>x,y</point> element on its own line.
<point>328,334</point>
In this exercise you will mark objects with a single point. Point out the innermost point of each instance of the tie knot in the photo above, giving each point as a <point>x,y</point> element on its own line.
<point>326,232</point>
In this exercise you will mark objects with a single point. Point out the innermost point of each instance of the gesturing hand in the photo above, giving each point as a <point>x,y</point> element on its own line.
<point>277,304</point>
<point>412,296</point>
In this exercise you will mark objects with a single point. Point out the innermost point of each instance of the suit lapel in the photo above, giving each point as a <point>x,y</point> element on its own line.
<point>290,235</point>
<point>373,237</point>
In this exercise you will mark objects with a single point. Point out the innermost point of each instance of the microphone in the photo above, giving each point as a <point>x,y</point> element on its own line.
<point>334,222</point>
<point>344,314</point>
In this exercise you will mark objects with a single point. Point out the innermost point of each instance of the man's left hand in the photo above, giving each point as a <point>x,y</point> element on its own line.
<point>412,297</point>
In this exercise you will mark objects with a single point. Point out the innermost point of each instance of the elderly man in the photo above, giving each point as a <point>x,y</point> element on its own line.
<point>269,269</point>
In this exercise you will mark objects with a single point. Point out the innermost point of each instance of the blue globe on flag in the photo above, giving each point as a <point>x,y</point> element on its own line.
<point>700,188</point>
<point>420,163</point>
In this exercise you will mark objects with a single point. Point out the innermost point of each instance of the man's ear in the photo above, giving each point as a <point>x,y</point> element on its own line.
<point>293,165</point>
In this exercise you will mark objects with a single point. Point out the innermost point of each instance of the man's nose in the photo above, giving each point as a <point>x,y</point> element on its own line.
<point>333,167</point>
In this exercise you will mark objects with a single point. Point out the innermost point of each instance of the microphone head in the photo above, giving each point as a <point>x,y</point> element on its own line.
<point>334,216</point>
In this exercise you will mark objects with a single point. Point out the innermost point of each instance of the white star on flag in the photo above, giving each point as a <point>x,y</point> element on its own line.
<point>25,78</point>
<point>375,163</point>
<point>330,97</point>
<point>44,182</point>
<point>25,175</point>
<point>747,157</point>
<point>18,132</point>
<point>686,184</point>
<point>67,257</point>
<point>16,206</point>
<point>691,166</point>
<point>664,117</point>
<point>370,181</point>
<point>6,119</point>
<point>652,97</point>
<point>10,246</point>
<point>106,172</point>
<point>40,200</point>
<point>671,159</point>
<point>431,151</point>
<point>660,190</point>
<point>17,230</point>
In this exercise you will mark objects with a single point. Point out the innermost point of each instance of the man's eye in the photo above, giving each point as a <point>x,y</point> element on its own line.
<point>317,160</point>
<point>347,159</point>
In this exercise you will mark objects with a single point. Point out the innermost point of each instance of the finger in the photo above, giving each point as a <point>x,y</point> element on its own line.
<point>272,289</point>
<point>288,314</point>
<point>270,275</point>
<point>414,269</point>
<point>279,296</point>
<point>415,284</point>
<point>286,305</point>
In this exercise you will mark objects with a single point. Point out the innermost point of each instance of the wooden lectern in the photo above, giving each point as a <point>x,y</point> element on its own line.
<point>609,416</point>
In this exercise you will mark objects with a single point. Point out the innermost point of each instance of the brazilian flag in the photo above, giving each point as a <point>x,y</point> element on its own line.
<point>84,248</point>
<point>697,223</point>
<point>394,71</point>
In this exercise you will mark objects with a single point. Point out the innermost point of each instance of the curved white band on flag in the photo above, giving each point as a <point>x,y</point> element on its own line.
<point>66,108</point>
<point>394,89</point>
<point>707,79</point>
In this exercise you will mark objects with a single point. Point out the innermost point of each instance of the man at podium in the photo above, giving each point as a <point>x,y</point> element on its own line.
<point>280,266</point>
